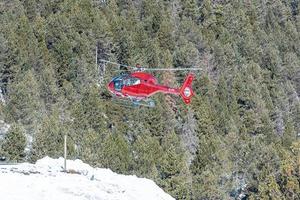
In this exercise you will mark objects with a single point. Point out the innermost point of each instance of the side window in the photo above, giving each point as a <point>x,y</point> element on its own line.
<point>127,82</point>
<point>132,81</point>
<point>136,81</point>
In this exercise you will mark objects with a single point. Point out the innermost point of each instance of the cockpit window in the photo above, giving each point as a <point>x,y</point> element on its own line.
<point>126,80</point>
<point>118,85</point>
<point>118,82</point>
<point>131,81</point>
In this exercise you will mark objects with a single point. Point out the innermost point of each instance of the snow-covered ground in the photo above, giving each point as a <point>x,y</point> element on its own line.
<point>45,180</point>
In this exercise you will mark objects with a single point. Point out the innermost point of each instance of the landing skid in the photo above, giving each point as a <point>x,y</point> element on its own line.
<point>133,103</point>
<point>148,103</point>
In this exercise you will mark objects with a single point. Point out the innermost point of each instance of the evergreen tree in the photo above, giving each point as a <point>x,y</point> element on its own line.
<point>49,140</point>
<point>190,9</point>
<point>289,134</point>
<point>24,99</point>
<point>237,139</point>
<point>173,168</point>
<point>90,147</point>
<point>148,154</point>
<point>13,146</point>
<point>270,189</point>
<point>116,154</point>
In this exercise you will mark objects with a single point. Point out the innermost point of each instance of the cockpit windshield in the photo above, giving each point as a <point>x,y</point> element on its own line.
<point>118,82</point>
<point>126,80</point>
<point>118,85</point>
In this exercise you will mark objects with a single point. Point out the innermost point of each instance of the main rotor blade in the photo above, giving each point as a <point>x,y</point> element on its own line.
<point>114,63</point>
<point>151,69</point>
<point>170,69</point>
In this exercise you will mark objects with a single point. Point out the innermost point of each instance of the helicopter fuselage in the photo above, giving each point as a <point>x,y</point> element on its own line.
<point>138,85</point>
<point>141,85</point>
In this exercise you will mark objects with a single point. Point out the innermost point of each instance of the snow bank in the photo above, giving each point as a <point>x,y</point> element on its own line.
<point>45,180</point>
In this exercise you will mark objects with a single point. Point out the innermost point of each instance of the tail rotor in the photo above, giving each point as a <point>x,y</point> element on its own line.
<point>186,91</point>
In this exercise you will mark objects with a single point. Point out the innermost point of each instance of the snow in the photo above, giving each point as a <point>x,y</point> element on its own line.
<point>46,180</point>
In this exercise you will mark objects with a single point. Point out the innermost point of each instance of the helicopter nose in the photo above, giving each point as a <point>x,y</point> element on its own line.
<point>111,86</point>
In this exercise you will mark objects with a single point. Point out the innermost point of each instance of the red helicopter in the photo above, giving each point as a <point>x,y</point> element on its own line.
<point>139,86</point>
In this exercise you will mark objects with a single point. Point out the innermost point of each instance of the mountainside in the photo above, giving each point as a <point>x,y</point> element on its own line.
<point>46,180</point>
<point>238,139</point>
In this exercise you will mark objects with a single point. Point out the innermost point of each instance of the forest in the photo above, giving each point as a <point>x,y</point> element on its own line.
<point>238,139</point>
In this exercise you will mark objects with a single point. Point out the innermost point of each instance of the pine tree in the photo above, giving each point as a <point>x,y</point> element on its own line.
<point>270,189</point>
<point>222,109</point>
<point>49,140</point>
<point>89,111</point>
<point>4,55</point>
<point>89,148</point>
<point>237,137</point>
<point>165,36</point>
<point>31,10</point>
<point>190,9</point>
<point>173,168</point>
<point>152,17</point>
<point>116,154</point>
<point>13,146</point>
<point>289,134</point>
<point>148,154</point>
<point>186,55</point>
<point>23,101</point>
